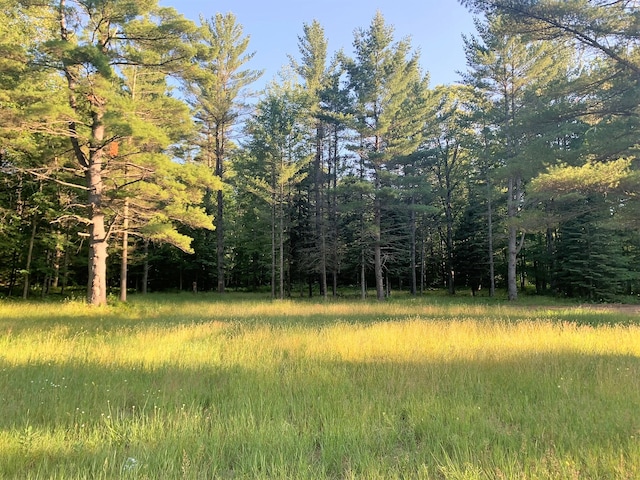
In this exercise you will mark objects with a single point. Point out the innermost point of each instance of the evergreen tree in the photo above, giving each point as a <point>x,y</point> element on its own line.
<point>509,69</point>
<point>589,207</point>
<point>446,151</point>
<point>216,93</point>
<point>312,68</point>
<point>382,76</point>
<point>89,42</point>
<point>607,28</point>
<point>280,147</point>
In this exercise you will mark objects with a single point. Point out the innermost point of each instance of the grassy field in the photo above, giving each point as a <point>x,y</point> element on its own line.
<point>203,387</point>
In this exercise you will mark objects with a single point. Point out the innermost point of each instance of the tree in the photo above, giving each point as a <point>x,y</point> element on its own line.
<point>510,71</point>
<point>152,194</point>
<point>382,77</point>
<point>313,71</point>
<point>216,93</point>
<point>89,45</point>
<point>607,28</point>
<point>590,206</point>
<point>446,151</point>
<point>280,149</point>
<point>470,242</point>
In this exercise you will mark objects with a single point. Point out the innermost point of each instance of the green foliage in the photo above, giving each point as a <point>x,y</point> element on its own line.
<point>605,28</point>
<point>589,178</point>
<point>123,117</point>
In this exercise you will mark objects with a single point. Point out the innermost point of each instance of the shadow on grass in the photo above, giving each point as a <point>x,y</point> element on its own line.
<point>170,310</point>
<point>323,419</point>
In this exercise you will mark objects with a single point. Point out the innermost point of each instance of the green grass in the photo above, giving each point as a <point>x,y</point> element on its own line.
<point>204,387</point>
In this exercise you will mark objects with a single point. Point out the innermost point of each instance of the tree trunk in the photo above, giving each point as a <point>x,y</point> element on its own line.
<point>514,246</point>
<point>450,272</point>
<point>32,239</point>
<point>492,277</point>
<point>145,267</point>
<point>65,263</point>
<point>57,260</point>
<point>219,221</point>
<point>551,267</point>
<point>220,243</point>
<point>512,286</point>
<point>319,213</point>
<point>363,277</point>
<point>281,247</point>
<point>333,212</point>
<point>422,266</point>
<point>97,288</point>
<point>377,240</point>
<point>46,282</point>
<point>414,284</point>
<point>273,251</point>
<point>125,252</point>
<point>93,164</point>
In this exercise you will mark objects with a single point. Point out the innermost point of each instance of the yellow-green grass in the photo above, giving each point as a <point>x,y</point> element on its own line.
<point>205,387</point>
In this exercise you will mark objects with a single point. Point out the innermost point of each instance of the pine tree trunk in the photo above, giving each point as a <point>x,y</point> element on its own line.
<point>281,248</point>
<point>377,240</point>
<point>319,213</point>
<point>273,251</point>
<point>145,267</point>
<point>333,212</point>
<point>55,281</point>
<point>551,266</point>
<point>414,283</point>
<point>97,289</point>
<point>65,263</point>
<point>32,239</point>
<point>492,277</point>
<point>219,221</point>
<point>125,252</point>
<point>512,252</point>
<point>363,277</point>
<point>450,272</point>
<point>93,164</point>
<point>422,266</point>
<point>220,243</point>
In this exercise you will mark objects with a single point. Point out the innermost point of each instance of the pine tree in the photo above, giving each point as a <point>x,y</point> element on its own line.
<point>589,207</point>
<point>88,43</point>
<point>382,76</point>
<point>216,92</point>
<point>509,70</point>
<point>280,149</point>
<point>312,68</point>
<point>446,150</point>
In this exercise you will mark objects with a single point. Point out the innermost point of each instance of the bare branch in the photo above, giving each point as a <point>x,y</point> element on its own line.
<point>77,218</point>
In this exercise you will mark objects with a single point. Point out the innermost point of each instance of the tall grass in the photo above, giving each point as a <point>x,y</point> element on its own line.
<point>241,387</point>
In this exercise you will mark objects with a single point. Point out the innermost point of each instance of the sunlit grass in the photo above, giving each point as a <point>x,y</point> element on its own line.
<point>242,387</point>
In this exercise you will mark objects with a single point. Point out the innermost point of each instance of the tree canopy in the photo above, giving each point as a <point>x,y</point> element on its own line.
<point>135,155</point>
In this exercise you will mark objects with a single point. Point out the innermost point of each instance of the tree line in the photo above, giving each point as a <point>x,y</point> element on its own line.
<point>134,155</point>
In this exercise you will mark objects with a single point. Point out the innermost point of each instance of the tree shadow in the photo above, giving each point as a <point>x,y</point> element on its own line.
<point>330,414</point>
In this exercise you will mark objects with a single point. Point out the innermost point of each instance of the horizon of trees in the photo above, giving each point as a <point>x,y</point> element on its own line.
<point>135,156</point>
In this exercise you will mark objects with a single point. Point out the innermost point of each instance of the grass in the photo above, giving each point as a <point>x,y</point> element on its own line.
<point>204,387</point>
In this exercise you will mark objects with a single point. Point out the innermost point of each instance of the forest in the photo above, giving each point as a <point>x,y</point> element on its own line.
<point>136,155</point>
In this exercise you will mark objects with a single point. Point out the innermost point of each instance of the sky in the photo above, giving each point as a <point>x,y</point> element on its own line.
<point>435,28</point>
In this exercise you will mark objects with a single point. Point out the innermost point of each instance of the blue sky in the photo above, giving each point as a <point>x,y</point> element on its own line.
<point>435,28</point>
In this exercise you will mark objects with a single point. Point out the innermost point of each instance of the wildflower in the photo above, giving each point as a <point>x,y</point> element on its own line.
<point>130,464</point>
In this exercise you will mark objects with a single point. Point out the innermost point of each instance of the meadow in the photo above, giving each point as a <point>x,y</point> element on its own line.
<point>238,386</point>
